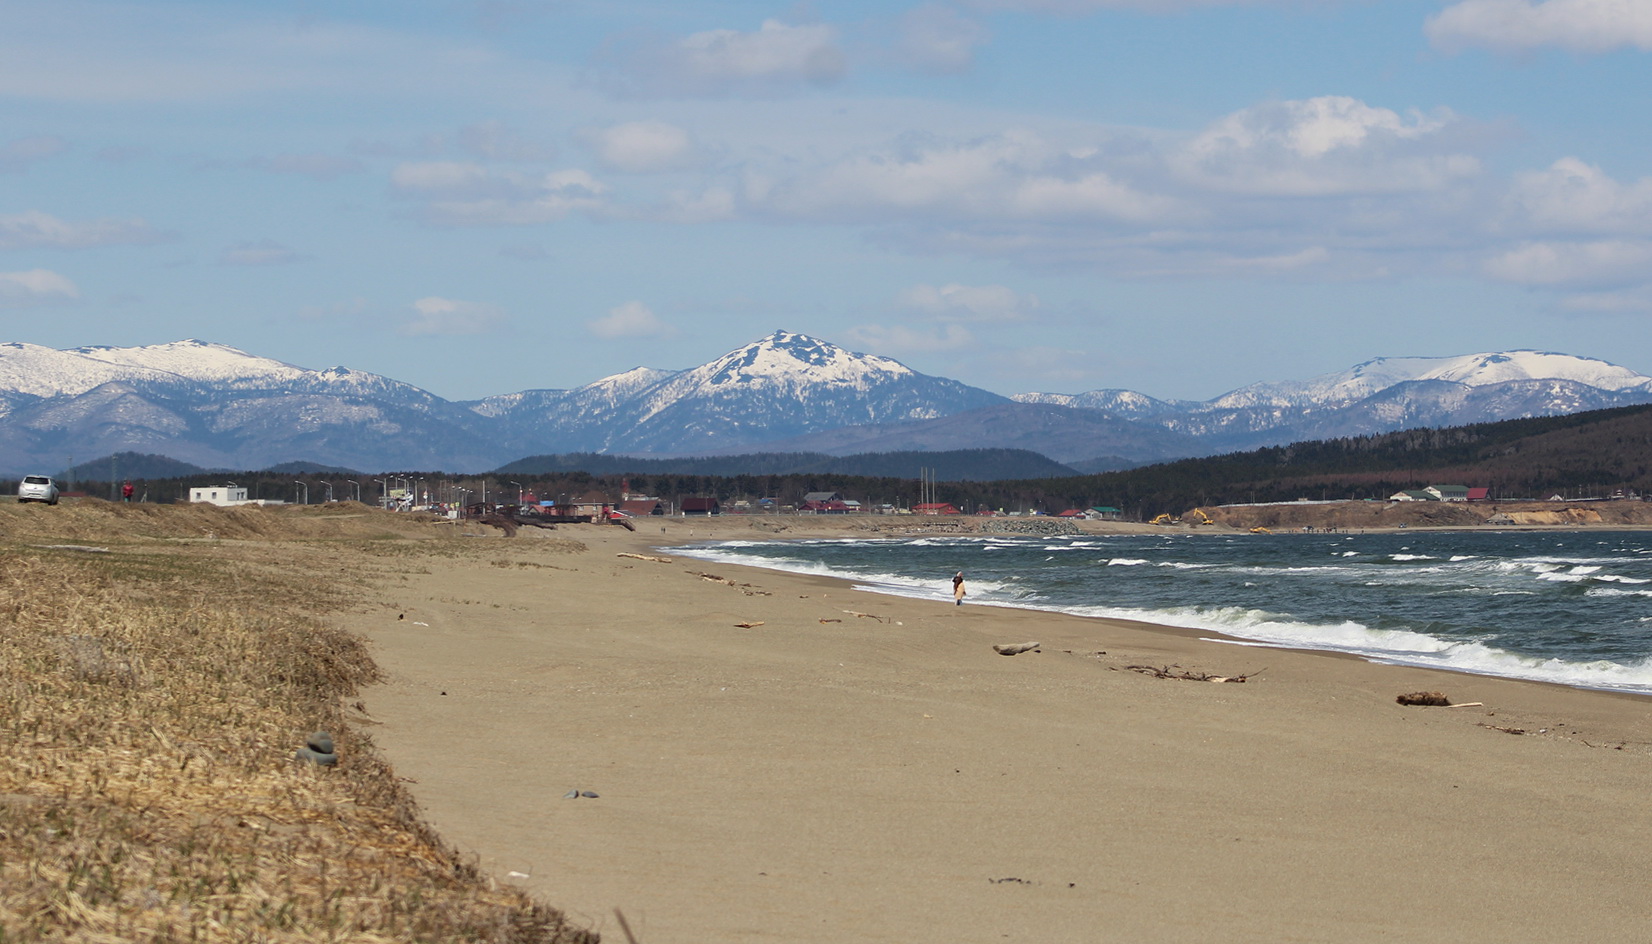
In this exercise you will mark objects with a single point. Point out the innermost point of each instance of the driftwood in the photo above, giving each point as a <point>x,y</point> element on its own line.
<point>657,560</point>
<point>1434,700</point>
<point>1177,672</point>
<point>83,548</point>
<point>881,619</point>
<point>749,625</point>
<point>1496,727</point>
<point>831,621</point>
<point>1014,648</point>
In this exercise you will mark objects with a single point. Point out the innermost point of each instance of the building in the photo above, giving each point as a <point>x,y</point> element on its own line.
<point>822,497</point>
<point>220,495</point>
<point>701,506</point>
<point>935,508</point>
<point>1448,493</point>
<point>641,507</point>
<point>1414,495</point>
<point>1106,513</point>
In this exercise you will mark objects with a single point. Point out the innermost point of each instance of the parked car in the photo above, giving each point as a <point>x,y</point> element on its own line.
<point>38,488</point>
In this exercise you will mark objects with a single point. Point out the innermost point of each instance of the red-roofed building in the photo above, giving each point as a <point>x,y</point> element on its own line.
<point>935,508</point>
<point>1478,494</point>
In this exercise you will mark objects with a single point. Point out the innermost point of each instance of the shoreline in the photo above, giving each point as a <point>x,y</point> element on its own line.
<point>1219,634</point>
<point>859,766</point>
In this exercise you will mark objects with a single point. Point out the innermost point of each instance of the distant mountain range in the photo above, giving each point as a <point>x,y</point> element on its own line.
<point>213,406</point>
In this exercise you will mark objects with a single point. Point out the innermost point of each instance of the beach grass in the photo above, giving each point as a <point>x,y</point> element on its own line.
<point>159,667</point>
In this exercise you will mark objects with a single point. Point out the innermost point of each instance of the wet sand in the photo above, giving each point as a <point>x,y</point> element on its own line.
<point>866,768</point>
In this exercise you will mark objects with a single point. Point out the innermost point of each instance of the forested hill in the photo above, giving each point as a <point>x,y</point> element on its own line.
<point>1583,455</point>
<point>957,465</point>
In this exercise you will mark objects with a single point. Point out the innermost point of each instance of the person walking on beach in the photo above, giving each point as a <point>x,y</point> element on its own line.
<point>126,491</point>
<point>958,589</point>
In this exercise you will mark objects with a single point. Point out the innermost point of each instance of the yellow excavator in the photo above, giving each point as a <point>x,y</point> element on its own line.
<point>1261,530</point>
<point>1163,519</point>
<point>1203,518</point>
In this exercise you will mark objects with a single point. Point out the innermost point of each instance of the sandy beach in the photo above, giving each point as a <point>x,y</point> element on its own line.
<point>853,767</point>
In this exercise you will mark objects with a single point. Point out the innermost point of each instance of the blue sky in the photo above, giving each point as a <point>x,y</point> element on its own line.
<point>1172,196</point>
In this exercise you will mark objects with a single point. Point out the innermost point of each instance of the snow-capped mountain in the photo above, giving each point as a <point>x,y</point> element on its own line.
<point>1381,395</point>
<point>216,406</point>
<point>782,385</point>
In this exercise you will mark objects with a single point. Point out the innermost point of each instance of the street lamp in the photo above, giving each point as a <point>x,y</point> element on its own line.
<point>357,488</point>
<point>384,493</point>
<point>305,486</point>
<point>518,492</point>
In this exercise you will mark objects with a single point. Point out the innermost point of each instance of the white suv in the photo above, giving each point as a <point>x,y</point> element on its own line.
<point>38,488</point>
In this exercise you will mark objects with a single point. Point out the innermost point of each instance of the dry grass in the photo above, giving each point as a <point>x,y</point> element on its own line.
<point>152,699</point>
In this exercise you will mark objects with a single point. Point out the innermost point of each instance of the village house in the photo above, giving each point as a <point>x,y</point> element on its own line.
<point>701,506</point>
<point>641,507</point>
<point>220,495</point>
<point>935,508</point>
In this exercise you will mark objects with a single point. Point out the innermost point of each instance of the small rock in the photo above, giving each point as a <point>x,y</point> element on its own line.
<point>321,742</point>
<point>316,757</point>
<point>571,795</point>
<point>587,793</point>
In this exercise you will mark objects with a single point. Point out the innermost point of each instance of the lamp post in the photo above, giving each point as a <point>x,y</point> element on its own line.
<point>418,493</point>
<point>357,487</point>
<point>384,493</point>
<point>305,486</point>
<point>518,492</point>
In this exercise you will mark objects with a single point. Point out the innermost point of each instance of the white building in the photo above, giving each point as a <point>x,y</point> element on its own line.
<point>219,495</point>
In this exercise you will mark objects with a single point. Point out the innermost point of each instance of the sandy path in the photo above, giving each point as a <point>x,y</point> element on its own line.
<point>895,780</point>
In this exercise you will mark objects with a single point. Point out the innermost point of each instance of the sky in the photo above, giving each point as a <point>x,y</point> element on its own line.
<point>1177,197</point>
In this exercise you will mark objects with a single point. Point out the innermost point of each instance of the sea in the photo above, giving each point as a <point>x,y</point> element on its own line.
<point>1568,607</point>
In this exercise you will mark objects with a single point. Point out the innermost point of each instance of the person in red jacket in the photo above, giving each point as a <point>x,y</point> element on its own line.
<point>126,491</point>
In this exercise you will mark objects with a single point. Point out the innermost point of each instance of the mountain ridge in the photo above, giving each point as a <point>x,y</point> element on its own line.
<point>216,406</point>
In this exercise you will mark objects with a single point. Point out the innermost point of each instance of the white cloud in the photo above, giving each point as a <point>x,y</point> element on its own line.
<point>471,195</point>
<point>1635,301</point>
<point>434,315</point>
<point>630,320</point>
<point>774,58</point>
<point>1599,263</point>
<point>980,303</point>
<point>1574,196</point>
<point>35,287</point>
<point>1071,7</point>
<point>36,230</point>
<point>936,38</point>
<point>899,339</point>
<point>18,155</point>
<point>1324,146</point>
<point>1583,26</point>
<point>642,147</point>
<point>261,252</point>
<point>1013,176</point>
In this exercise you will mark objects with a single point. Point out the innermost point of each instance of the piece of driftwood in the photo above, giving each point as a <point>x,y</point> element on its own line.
<point>1181,674</point>
<point>1434,700</point>
<point>1498,727</point>
<point>1014,648</point>
<point>82,548</point>
<point>881,619</point>
<point>657,560</point>
<point>831,621</point>
<point>749,625</point>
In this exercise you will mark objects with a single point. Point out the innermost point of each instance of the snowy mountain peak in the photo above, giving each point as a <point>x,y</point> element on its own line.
<point>192,359</point>
<point>789,359</point>
<point>1470,370</point>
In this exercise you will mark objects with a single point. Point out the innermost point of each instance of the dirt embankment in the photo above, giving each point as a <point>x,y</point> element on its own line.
<point>1365,515</point>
